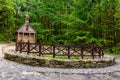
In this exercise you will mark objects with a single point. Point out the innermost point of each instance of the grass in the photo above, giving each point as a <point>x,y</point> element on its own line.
<point>65,57</point>
<point>60,56</point>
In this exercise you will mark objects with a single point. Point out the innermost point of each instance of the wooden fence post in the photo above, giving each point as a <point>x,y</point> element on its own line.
<point>53,50</point>
<point>16,48</point>
<point>20,46</point>
<point>28,48</point>
<point>102,51</point>
<point>68,46</point>
<point>82,51</point>
<point>99,52</point>
<point>40,47</point>
<point>93,52</point>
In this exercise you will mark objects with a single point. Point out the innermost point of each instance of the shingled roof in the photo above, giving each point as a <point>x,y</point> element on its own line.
<point>26,28</point>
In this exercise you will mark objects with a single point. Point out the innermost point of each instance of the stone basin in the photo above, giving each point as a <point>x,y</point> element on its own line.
<point>59,63</point>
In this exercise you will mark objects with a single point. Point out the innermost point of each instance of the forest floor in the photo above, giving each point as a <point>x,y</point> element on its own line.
<point>14,71</point>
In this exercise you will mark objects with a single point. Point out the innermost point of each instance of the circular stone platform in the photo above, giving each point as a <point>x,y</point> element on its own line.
<point>59,63</point>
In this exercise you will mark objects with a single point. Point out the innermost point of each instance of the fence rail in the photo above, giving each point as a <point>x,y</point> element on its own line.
<point>61,50</point>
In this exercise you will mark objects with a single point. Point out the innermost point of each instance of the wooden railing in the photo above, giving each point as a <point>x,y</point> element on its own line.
<point>61,50</point>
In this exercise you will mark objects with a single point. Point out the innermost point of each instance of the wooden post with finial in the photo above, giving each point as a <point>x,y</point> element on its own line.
<point>27,17</point>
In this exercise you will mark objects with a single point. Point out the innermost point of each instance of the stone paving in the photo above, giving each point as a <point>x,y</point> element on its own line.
<point>14,71</point>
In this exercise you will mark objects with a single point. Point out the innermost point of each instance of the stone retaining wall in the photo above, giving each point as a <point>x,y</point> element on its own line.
<point>59,63</point>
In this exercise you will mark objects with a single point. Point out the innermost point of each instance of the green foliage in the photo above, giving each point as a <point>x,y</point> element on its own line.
<point>113,51</point>
<point>2,37</point>
<point>64,21</point>
<point>7,19</point>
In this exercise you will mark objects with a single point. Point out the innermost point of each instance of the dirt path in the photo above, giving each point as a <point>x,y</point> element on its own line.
<point>13,71</point>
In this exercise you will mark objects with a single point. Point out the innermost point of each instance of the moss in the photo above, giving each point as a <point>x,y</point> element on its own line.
<point>58,62</point>
<point>93,64</point>
<point>42,62</point>
<point>87,65</point>
<point>68,65</point>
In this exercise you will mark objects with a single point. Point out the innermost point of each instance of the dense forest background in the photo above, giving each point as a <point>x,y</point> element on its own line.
<point>64,21</point>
